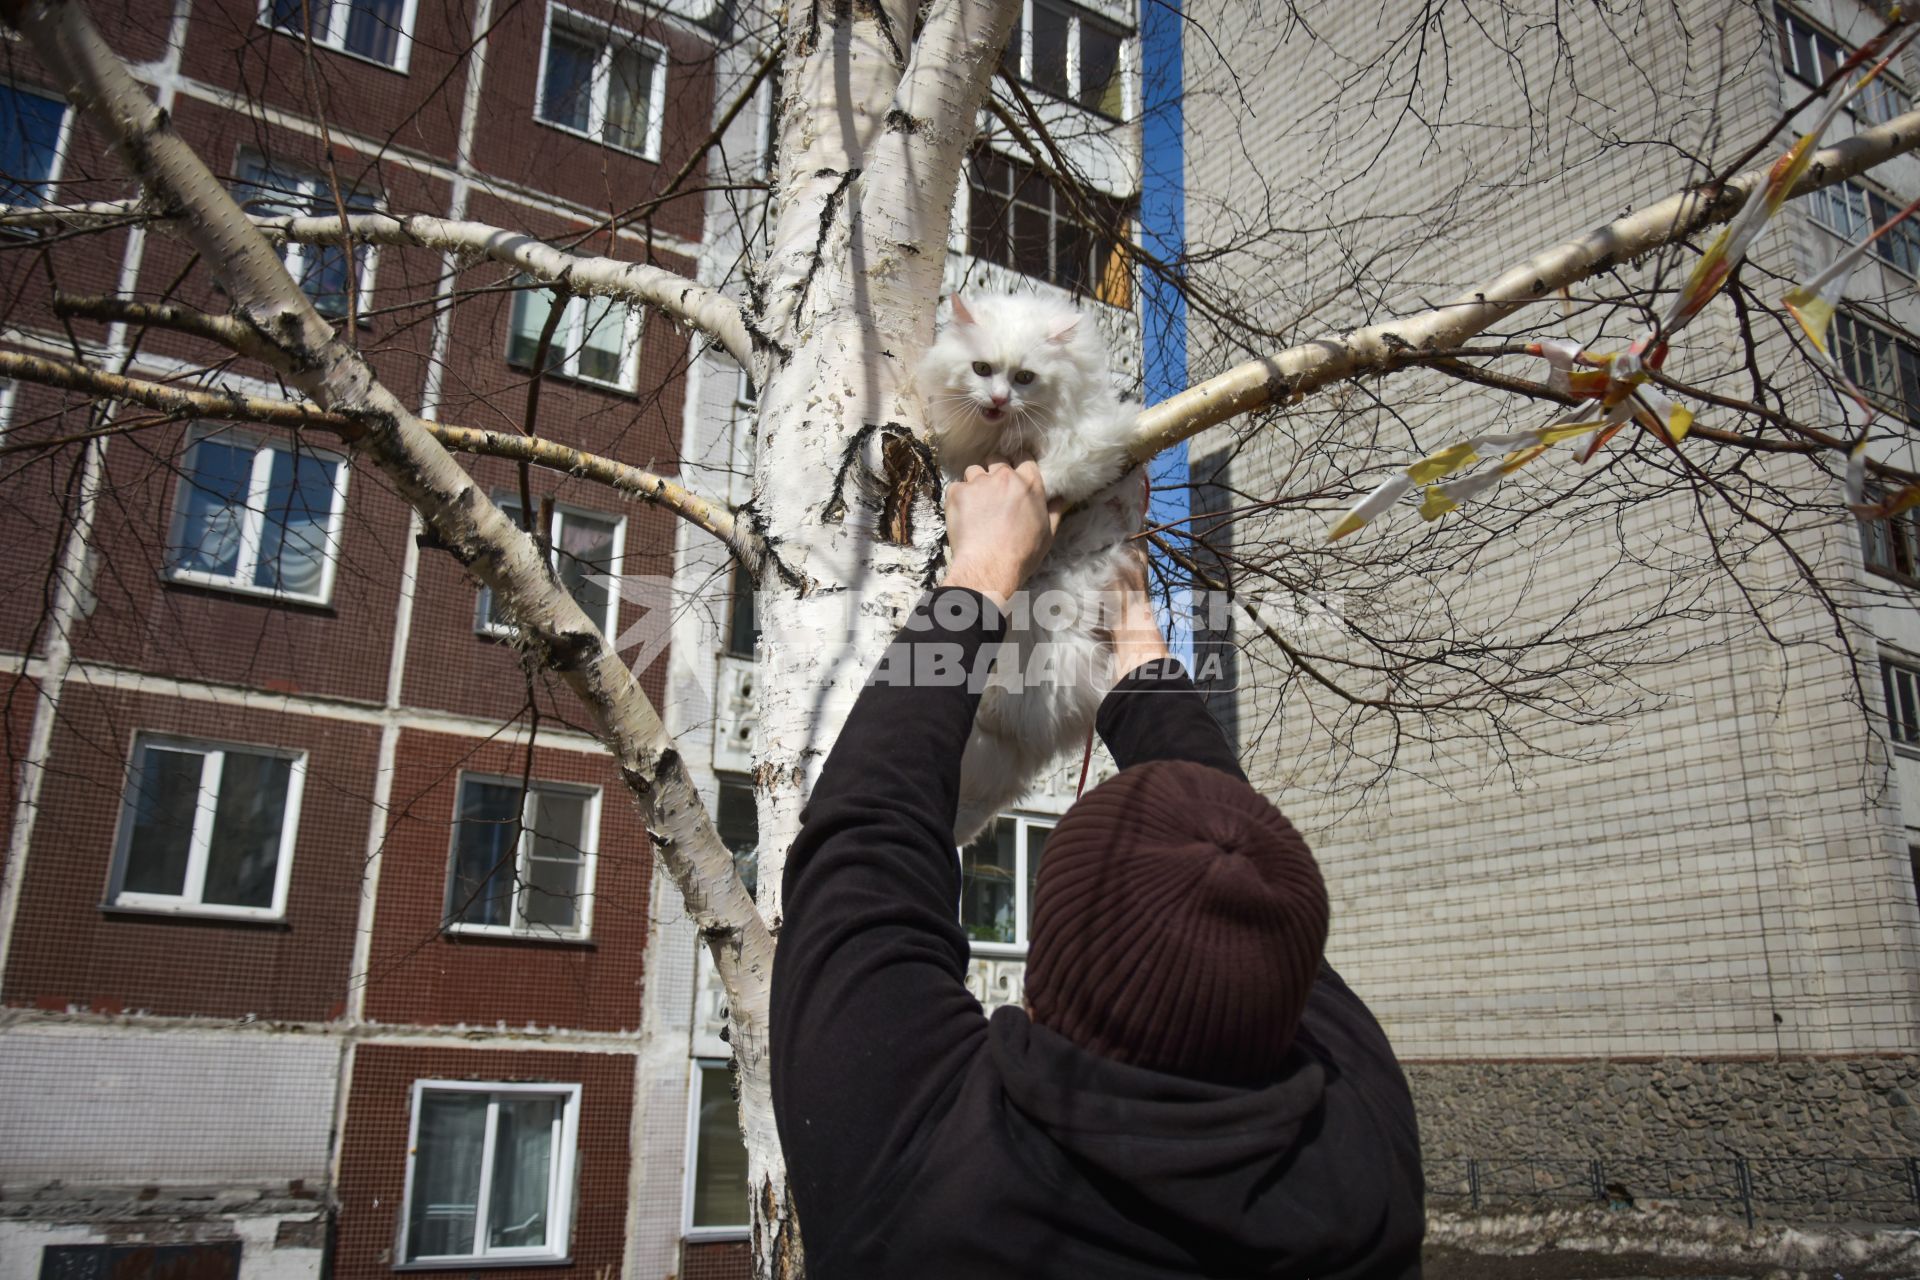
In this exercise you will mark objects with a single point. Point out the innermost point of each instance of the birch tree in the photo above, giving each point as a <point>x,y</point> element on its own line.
<point>878,106</point>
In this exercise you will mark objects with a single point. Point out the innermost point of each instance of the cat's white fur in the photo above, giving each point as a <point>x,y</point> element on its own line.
<point>1066,417</point>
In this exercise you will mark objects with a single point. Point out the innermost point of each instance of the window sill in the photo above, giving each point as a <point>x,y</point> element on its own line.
<point>192,915</point>
<point>490,935</point>
<point>1911,584</point>
<point>996,950</point>
<point>718,1235</point>
<point>480,1264</point>
<point>227,588</point>
<point>616,148</point>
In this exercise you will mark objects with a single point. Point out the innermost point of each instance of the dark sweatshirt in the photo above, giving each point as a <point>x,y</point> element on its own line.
<point>927,1142</point>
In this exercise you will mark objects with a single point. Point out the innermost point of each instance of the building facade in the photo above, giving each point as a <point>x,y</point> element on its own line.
<point>1688,930</point>
<point>331,944</point>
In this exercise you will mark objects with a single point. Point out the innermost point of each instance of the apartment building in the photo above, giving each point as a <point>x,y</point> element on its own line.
<point>326,938</point>
<point>1691,931</point>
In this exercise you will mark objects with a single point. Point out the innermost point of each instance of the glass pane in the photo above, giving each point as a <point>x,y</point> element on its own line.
<point>29,132</point>
<point>567,96</point>
<point>1073,257</point>
<point>987,869</point>
<point>166,790</point>
<point>584,550</point>
<point>213,500</point>
<point>323,277</point>
<point>720,1156</point>
<point>446,1175</point>
<point>530,308</point>
<point>604,340</point>
<point>987,225</point>
<point>1101,86</point>
<point>305,17</point>
<point>373,29</point>
<point>743,625</point>
<point>1010,57</point>
<point>1905,682</point>
<point>1036,848</point>
<point>522,1172</point>
<point>1050,50</point>
<point>245,853</point>
<point>738,823</point>
<point>489,613</point>
<point>629,99</point>
<point>486,850</point>
<point>556,862</point>
<point>293,538</point>
<point>1032,229</point>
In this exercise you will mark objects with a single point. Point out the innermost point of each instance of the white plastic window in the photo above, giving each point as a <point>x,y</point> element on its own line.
<point>998,872</point>
<point>602,83</point>
<point>258,516</point>
<point>523,858</point>
<point>381,31</point>
<point>490,1172</point>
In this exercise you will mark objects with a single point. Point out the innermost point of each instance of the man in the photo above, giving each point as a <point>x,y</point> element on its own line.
<point>1191,1090</point>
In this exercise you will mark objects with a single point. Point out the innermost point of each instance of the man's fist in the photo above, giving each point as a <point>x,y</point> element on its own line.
<point>999,526</point>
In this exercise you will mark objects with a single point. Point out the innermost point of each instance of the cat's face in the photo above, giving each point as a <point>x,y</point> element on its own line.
<point>1006,363</point>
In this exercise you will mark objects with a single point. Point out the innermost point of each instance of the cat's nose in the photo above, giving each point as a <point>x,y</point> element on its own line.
<point>999,402</point>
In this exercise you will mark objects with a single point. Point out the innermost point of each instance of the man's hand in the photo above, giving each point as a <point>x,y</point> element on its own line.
<point>1136,630</point>
<point>999,526</point>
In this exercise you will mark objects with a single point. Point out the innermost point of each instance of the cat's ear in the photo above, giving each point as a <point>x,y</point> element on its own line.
<point>960,313</point>
<point>1064,331</point>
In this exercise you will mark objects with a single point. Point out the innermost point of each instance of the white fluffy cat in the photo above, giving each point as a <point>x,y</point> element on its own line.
<point>1024,377</point>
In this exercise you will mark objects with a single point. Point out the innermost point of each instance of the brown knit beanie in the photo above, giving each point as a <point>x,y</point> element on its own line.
<point>1178,923</point>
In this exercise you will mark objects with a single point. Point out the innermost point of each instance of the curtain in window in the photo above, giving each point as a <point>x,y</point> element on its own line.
<point>556,861</point>
<point>213,507</point>
<point>373,29</point>
<point>303,17</point>
<point>629,99</point>
<point>517,1209</point>
<point>293,541</point>
<point>446,1175</point>
<point>243,858</point>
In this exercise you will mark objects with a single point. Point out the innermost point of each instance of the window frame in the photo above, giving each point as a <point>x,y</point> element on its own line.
<point>1024,820</point>
<point>1885,84</point>
<point>1018,171</point>
<point>253,521</point>
<point>586,28</point>
<point>561,1178</point>
<point>589,860</point>
<point>696,1092</point>
<point>318,195</point>
<point>569,337</point>
<point>1904,738</point>
<point>483,623</point>
<point>1125,68</point>
<point>1845,320</point>
<point>335,40</point>
<point>1878,208</point>
<point>201,839</point>
<point>62,140</point>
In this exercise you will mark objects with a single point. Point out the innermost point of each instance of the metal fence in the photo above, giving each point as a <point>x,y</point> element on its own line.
<point>1781,1189</point>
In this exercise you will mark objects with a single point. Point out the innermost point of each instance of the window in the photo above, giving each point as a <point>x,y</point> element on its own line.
<point>490,1172</point>
<point>743,623</point>
<point>586,551</point>
<point>1019,218</point>
<point>597,339</point>
<point>1891,546</point>
<point>523,859</point>
<point>31,125</point>
<point>1851,211</point>
<point>208,829</point>
<point>603,83</point>
<point>997,874</point>
<point>717,1198</point>
<point>321,269</point>
<point>378,30</point>
<point>1063,50</point>
<point>258,516</point>
<point>1880,364</point>
<point>1901,685</point>
<point>1810,55</point>
<point>738,822</point>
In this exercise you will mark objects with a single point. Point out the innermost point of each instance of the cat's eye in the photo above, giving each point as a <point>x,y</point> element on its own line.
<point>1023,377</point>
<point>982,368</point>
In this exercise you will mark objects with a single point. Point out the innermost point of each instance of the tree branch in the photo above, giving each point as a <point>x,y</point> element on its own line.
<point>1297,371</point>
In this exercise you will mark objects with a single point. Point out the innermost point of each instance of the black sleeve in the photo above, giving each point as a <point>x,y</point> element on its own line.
<point>871,1017</point>
<point>1155,713</point>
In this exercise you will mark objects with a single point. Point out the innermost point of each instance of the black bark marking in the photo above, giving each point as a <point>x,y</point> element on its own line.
<point>828,210</point>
